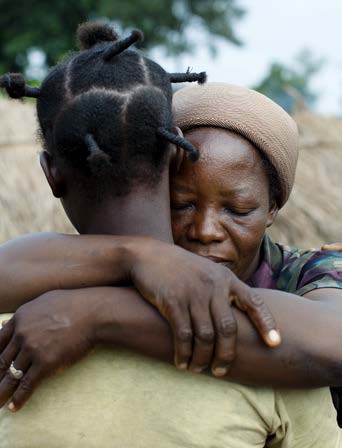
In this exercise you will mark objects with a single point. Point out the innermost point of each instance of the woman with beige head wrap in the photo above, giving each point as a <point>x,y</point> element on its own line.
<point>221,207</point>
<point>249,114</point>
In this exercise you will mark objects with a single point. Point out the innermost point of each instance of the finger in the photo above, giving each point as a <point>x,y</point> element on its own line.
<point>204,337</point>
<point>334,246</point>
<point>311,249</point>
<point>226,334</point>
<point>180,323</point>
<point>7,356</point>
<point>249,301</point>
<point>4,322</point>
<point>25,388</point>
<point>9,383</point>
<point>6,333</point>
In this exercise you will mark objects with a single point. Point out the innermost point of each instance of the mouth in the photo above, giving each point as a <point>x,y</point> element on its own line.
<point>220,260</point>
<point>227,264</point>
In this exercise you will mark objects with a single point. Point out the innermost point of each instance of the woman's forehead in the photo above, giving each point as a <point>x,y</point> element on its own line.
<point>227,163</point>
<point>223,147</point>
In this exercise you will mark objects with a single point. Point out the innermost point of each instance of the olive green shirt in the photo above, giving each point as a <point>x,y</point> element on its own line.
<point>122,400</point>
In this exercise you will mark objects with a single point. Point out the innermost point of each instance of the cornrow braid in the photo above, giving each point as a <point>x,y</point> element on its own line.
<point>98,161</point>
<point>201,78</point>
<point>123,44</point>
<point>106,112</point>
<point>94,150</point>
<point>179,141</point>
<point>16,87</point>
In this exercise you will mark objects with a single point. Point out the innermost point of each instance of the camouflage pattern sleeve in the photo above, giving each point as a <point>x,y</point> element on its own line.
<point>313,270</point>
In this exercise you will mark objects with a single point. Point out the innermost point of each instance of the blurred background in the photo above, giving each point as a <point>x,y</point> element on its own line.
<point>288,50</point>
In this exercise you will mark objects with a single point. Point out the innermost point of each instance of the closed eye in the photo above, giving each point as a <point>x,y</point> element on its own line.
<point>181,206</point>
<point>238,212</point>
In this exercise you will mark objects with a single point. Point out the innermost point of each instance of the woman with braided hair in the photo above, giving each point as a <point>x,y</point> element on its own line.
<point>106,124</point>
<point>96,160</point>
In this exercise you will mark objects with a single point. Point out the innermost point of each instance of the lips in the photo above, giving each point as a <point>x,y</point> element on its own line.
<point>220,260</point>
<point>215,258</point>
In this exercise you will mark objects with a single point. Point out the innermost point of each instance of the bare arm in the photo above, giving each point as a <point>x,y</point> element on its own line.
<point>310,355</point>
<point>89,260</point>
<point>194,296</point>
<point>34,264</point>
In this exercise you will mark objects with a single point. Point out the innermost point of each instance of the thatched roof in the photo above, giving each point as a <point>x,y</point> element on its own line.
<point>313,213</point>
<point>18,123</point>
<point>311,217</point>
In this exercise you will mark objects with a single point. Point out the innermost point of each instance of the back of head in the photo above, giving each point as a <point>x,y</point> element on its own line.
<point>105,111</point>
<point>253,116</point>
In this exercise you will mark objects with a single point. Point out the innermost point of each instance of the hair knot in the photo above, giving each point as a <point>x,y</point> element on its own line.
<point>92,33</point>
<point>14,83</point>
<point>16,87</point>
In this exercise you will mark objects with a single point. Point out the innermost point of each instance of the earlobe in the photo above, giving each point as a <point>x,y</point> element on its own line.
<point>53,174</point>
<point>272,214</point>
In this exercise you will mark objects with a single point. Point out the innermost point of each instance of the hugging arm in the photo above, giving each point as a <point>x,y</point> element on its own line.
<point>117,315</point>
<point>310,355</point>
<point>194,296</point>
<point>37,263</point>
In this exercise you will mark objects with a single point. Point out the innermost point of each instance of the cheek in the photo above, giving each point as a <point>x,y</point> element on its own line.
<point>248,234</point>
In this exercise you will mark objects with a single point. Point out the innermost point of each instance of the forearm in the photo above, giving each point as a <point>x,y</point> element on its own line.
<point>302,360</point>
<point>310,354</point>
<point>34,264</point>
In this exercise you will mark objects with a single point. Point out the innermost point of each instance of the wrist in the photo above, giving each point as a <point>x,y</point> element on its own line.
<point>135,251</point>
<point>119,259</point>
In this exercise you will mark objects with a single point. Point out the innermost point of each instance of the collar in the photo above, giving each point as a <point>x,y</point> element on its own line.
<point>270,265</point>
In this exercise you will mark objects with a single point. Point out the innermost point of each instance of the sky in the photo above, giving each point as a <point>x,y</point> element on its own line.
<point>276,30</point>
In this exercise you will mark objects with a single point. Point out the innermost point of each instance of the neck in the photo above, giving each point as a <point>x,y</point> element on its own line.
<point>144,212</point>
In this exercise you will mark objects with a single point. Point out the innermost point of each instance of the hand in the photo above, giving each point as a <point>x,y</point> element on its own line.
<point>43,337</point>
<point>194,295</point>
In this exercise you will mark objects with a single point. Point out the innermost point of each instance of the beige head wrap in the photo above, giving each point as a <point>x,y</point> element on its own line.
<point>248,113</point>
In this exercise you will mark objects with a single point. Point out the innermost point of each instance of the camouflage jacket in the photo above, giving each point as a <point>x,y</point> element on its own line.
<point>299,271</point>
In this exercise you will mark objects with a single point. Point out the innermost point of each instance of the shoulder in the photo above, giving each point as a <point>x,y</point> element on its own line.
<point>305,270</point>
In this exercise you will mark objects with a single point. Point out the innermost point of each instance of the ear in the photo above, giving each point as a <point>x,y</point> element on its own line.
<point>272,214</point>
<point>178,154</point>
<point>53,174</point>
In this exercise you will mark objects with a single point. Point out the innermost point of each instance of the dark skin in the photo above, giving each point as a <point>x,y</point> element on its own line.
<point>214,214</point>
<point>213,286</point>
<point>303,360</point>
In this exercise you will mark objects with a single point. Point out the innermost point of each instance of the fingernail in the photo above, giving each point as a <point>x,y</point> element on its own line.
<point>182,366</point>
<point>220,371</point>
<point>274,337</point>
<point>11,407</point>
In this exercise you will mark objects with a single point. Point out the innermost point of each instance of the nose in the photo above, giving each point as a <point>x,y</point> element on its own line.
<point>206,228</point>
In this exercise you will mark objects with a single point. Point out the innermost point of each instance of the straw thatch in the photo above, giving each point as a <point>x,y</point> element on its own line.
<point>311,217</point>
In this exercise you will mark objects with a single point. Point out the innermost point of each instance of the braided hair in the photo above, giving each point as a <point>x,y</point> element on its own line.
<point>106,110</point>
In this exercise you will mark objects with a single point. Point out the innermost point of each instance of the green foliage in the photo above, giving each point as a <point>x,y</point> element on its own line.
<point>285,84</point>
<point>50,26</point>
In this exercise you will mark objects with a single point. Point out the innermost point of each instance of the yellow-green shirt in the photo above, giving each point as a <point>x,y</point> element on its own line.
<point>122,400</point>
